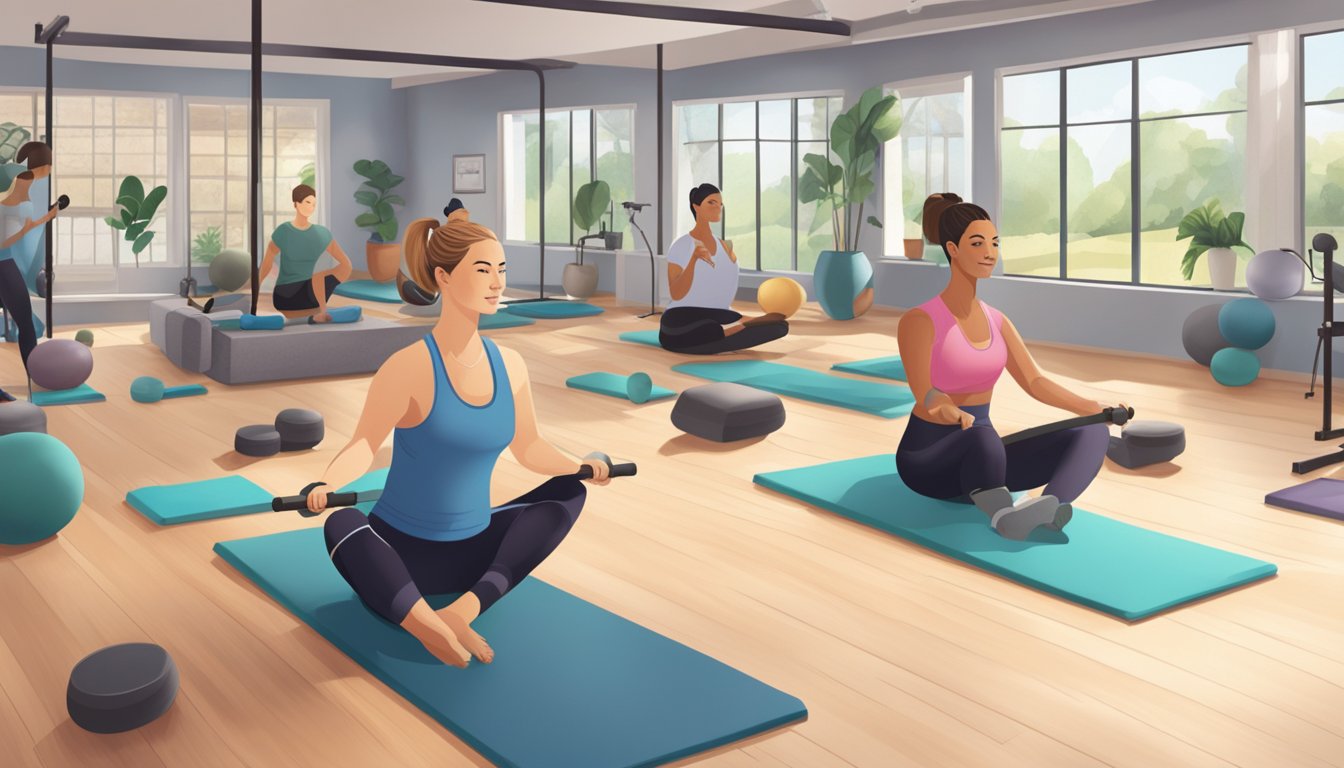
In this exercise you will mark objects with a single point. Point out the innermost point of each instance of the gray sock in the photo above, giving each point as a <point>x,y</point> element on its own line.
<point>1019,520</point>
<point>991,500</point>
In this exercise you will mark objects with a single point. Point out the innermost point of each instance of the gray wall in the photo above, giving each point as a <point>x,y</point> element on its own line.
<point>368,120</point>
<point>461,117</point>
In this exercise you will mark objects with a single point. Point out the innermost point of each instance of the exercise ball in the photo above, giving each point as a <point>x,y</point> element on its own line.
<point>1275,275</point>
<point>1233,367</point>
<point>230,269</point>
<point>43,484</point>
<point>60,364</point>
<point>638,387</point>
<point>1200,335</point>
<point>843,281</point>
<point>147,389</point>
<point>782,295</point>
<point>1246,323</point>
<point>85,337</point>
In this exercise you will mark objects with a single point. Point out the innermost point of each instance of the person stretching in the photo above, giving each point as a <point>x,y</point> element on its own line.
<point>14,183</point>
<point>456,402</point>
<point>699,320</point>
<point>954,348</point>
<point>299,291</point>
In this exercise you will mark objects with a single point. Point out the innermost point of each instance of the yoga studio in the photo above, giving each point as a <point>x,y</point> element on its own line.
<point>612,384</point>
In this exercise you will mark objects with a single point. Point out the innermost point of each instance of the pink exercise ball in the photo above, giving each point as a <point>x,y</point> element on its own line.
<point>60,364</point>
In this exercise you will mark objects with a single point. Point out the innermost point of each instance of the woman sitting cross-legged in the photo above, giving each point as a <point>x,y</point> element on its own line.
<point>456,402</point>
<point>702,277</point>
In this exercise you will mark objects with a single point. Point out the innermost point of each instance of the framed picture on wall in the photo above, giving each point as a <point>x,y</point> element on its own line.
<point>468,173</point>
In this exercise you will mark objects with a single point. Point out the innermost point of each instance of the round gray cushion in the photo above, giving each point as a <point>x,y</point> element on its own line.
<point>1153,434</point>
<point>121,687</point>
<point>725,412</point>
<point>299,428</point>
<point>1200,335</point>
<point>21,416</point>
<point>1147,442</point>
<point>257,440</point>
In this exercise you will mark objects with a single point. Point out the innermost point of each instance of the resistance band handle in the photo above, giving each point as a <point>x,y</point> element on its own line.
<point>300,503</point>
<point>617,470</point>
<point>1115,415</point>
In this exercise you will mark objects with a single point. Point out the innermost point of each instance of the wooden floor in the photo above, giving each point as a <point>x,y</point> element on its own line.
<point>902,656</point>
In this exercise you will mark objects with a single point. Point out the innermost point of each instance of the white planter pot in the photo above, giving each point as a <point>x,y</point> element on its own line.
<point>1222,268</point>
<point>579,280</point>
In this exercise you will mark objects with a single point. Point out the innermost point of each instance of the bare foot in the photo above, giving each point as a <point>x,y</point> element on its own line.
<point>437,637</point>
<point>321,317</point>
<point>458,616</point>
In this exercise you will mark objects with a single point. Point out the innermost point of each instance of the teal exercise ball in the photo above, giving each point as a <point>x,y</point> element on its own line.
<point>639,387</point>
<point>1246,323</point>
<point>44,486</point>
<point>230,269</point>
<point>1233,367</point>
<point>843,281</point>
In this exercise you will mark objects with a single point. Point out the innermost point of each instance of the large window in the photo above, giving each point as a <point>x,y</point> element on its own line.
<point>1323,127</point>
<point>1073,214</point>
<point>582,145</point>
<point>753,151</point>
<point>930,154</point>
<point>292,134</point>
<point>100,140</point>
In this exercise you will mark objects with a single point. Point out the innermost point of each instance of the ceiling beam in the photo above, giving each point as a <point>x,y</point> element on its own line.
<point>697,15</point>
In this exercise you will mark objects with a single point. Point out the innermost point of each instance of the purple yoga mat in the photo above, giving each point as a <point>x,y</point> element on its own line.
<point>1323,496</point>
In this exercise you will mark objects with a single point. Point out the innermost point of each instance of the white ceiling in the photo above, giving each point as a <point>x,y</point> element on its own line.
<point>490,30</point>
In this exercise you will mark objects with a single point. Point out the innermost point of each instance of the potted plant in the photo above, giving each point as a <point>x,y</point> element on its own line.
<point>1210,231</point>
<point>382,252</point>
<point>135,212</point>
<point>590,202</point>
<point>843,277</point>
<point>914,246</point>
<point>204,249</point>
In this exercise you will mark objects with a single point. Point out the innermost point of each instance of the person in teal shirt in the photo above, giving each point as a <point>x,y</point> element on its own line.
<point>299,291</point>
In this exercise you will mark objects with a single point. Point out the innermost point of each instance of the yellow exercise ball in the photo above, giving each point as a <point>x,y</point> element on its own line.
<point>781,294</point>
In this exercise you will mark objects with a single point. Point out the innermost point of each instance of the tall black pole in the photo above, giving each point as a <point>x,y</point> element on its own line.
<point>541,176</point>
<point>51,228</point>
<point>254,165</point>
<point>659,196</point>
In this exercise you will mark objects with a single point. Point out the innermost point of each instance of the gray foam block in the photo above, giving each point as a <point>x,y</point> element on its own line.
<point>121,687</point>
<point>257,440</point>
<point>725,412</point>
<point>299,429</point>
<point>1147,442</point>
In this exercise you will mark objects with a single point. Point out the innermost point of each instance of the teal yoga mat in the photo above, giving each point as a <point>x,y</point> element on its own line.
<point>81,394</point>
<point>642,337</point>
<point>200,500</point>
<point>370,290</point>
<point>885,400</point>
<point>881,367</point>
<point>612,385</point>
<point>1114,567</point>
<point>553,310</point>
<point>571,683</point>
<point>503,319</point>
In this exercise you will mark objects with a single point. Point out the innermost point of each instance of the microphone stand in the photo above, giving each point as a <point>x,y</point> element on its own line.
<point>1325,336</point>
<point>653,269</point>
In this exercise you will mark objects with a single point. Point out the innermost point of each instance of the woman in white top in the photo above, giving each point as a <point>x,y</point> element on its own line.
<point>702,276</point>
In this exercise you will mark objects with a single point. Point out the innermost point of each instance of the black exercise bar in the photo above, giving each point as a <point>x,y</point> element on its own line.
<point>699,15</point>
<point>254,160</point>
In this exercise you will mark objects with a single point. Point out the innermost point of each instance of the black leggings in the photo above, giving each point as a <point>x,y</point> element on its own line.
<point>296,297</point>
<point>944,461</point>
<point>14,296</point>
<point>391,570</point>
<point>699,331</point>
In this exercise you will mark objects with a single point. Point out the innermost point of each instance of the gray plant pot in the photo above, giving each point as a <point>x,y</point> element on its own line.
<point>579,280</point>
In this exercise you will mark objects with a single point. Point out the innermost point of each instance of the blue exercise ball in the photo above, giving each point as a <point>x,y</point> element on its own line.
<point>60,364</point>
<point>1234,367</point>
<point>44,486</point>
<point>1246,323</point>
<point>843,281</point>
<point>1275,275</point>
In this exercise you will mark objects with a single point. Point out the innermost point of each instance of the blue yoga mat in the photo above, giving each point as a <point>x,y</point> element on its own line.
<point>885,400</point>
<point>571,684</point>
<point>881,367</point>
<point>503,319</point>
<point>370,290</point>
<point>612,385</point>
<point>81,394</point>
<point>200,500</point>
<point>642,337</point>
<point>553,310</point>
<point>1098,562</point>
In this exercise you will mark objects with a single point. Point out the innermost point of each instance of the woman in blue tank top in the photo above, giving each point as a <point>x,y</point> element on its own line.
<point>456,402</point>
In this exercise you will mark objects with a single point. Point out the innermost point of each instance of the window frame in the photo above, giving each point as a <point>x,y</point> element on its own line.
<point>1299,69</point>
<point>501,194</point>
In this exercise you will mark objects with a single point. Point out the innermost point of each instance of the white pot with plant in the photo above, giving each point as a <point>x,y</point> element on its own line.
<point>590,202</point>
<point>1215,234</point>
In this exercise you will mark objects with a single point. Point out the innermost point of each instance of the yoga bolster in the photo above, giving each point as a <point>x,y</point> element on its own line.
<point>278,322</point>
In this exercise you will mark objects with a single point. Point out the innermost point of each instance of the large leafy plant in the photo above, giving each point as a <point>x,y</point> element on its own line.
<point>135,212</point>
<point>1207,228</point>
<point>207,246</point>
<point>376,193</point>
<point>308,175</point>
<point>857,136</point>
<point>590,202</point>
<point>11,138</point>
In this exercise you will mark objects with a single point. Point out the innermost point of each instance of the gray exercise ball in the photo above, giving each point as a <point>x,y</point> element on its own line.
<point>60,364</point>
<point>1274,275</point>
<point>1200,335</point>
<point>230,269</point>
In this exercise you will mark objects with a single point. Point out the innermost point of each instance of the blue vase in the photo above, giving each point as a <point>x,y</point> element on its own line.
<point>843,281</point>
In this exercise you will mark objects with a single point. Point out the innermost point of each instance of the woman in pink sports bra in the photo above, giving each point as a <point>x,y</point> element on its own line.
<point>954,348</point>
